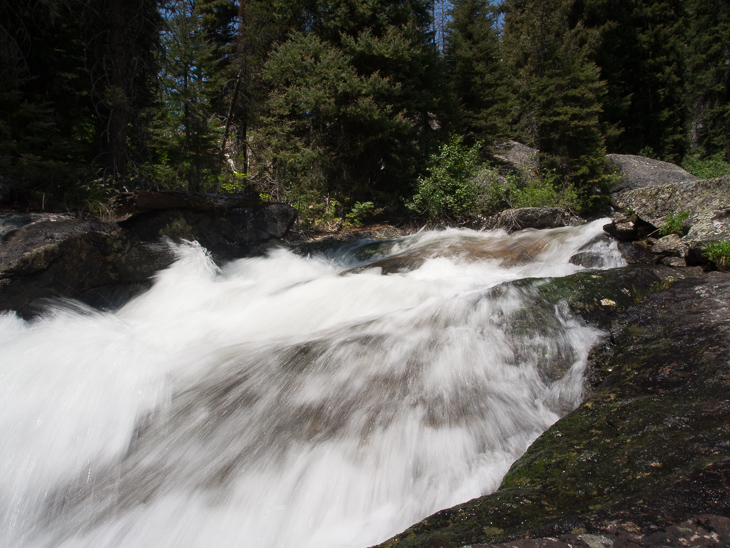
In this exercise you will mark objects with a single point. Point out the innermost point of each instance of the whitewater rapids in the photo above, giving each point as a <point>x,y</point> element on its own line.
<point>322,401</point>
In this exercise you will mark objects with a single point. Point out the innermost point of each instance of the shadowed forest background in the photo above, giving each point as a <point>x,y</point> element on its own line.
<point>350,109</point>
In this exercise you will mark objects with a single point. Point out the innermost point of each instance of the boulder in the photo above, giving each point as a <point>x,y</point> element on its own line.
<point>103,263</point>
<point>516,155</point>
<point>629,228</point>
<point>142,201</point>
<point>512,220</point>
<point>706,202</point>
<point>708,226</point>
<point>654,204</point>
<point>670,246</point>
<point>645,458</point>
<point>640,172</point>
<point>636,252</point>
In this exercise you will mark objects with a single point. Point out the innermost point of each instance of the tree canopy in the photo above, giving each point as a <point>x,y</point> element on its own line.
<point>341,102</point>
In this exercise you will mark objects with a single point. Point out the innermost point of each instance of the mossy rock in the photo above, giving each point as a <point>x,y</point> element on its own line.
<point>648,448</point>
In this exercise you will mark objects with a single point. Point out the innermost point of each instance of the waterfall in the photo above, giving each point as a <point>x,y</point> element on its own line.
<point>318,401</point>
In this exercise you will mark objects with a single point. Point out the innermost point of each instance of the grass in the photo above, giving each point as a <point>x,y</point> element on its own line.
<point>673,225</point>
<point>718,252</point>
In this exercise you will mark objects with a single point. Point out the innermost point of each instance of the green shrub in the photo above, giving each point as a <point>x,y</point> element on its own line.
<point>544,192</point>
<point>449,191</point>
<point>718,252</point>
<point>673,224</point>
<point>708,167</point>
<point>359,212</point>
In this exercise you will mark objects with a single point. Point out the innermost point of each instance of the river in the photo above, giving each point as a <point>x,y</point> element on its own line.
<point>321,401</point>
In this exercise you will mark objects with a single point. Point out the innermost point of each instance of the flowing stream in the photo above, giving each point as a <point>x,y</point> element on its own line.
<point>320,401</point>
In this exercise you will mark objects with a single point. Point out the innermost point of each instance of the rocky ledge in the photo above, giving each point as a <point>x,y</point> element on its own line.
<point>104,262</point>
<point>700,211</point>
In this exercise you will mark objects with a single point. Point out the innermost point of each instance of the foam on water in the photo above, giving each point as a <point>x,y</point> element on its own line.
<point>286,400</point>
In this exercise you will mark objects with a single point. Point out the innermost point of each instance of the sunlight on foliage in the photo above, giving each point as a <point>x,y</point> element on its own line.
<point>449,191</point>
<point>718,252</point>
<point>706,168</point>
<point>673,224</point>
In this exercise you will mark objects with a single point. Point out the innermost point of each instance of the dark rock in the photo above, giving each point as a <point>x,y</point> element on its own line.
<point>587,259</point>
<point>238,232</point>
<point>513,220</point>
<point>104,263</point>
<point>50,256</point>
<point>645,460</point>
<point>640,171</point>
<point>142,201</point>
<point>629,228</point>
<point>593,253</point>
<point>623,229</point>
<point>636,252</point>
<point>674,261</point>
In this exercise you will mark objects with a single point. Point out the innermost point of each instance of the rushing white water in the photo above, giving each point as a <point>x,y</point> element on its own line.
<point>287,400</point>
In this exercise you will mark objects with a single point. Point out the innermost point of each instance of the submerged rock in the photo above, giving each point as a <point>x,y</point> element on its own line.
<point>512,220</point>
<point>644,459</point>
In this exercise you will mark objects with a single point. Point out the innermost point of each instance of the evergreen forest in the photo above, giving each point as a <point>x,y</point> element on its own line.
<point>350,109</point>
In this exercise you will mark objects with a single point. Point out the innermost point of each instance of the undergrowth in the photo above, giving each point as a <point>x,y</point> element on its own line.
<point>718,252</point>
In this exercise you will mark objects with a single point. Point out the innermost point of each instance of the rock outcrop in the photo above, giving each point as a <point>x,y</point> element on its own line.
<point>640,172</point>
<point>645,458</point>
<point>704,204</point>
<point>517,155</point>
<point>656,203</point>
<point>103,263</point>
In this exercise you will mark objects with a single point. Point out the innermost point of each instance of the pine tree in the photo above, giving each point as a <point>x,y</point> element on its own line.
<point>558,91</point>
<point>475,70</point>
<point>44,116</point>
<point>120,39</point>
<point>356,95</point>
<point>639,47</point>
<point>188,132</point>
<point>708,75</point>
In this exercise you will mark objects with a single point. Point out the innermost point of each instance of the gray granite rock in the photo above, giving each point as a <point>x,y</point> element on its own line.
<point>640,171</point>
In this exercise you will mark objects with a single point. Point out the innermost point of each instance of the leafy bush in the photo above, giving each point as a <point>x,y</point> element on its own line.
<point>359,212</point>
<point>449,191</point>
<point>673,224</point>
<point>706,168</point>
<point>542,192</point>
<point>718,252</point>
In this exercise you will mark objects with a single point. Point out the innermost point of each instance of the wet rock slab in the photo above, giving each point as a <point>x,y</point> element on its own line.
<point>645,460</point>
